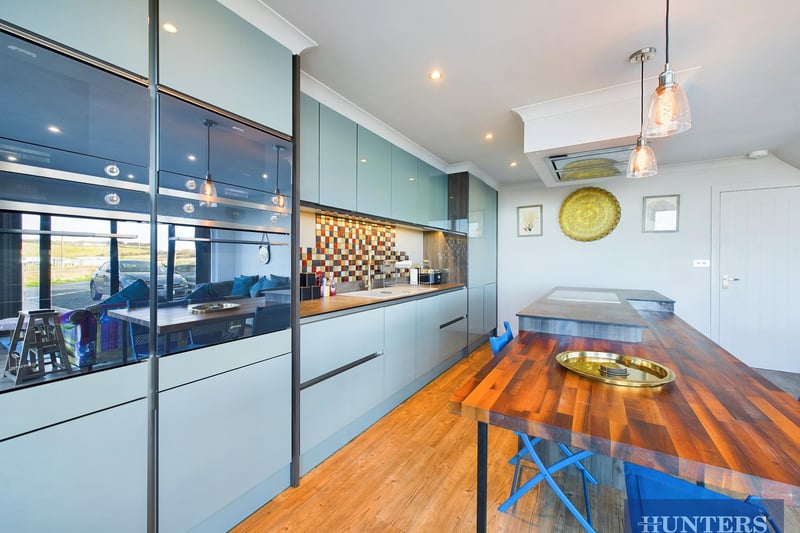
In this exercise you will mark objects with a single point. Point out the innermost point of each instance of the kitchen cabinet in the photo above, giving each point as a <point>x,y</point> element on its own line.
<point>374,175</point>
<point>328,407</point>
<point>328,345</point>
<point>476,315</point>
<point>309,152</point>
<point>441,329</point>
<point>211,57</point>
<point>337,160</point>
<point>404,185</point>
<point>114,32</point>
<point>231,431</point>
<point>400,346</point>
<point>482,233</point>
<point>489,307</point>
<point>431,196</point>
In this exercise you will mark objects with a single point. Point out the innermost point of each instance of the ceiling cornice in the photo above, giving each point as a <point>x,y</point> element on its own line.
<point>268,21</point>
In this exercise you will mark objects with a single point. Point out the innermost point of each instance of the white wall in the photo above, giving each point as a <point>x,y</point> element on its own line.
<point>528,267</point>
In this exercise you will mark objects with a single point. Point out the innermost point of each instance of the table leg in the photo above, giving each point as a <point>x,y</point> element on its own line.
<point>483,446</point>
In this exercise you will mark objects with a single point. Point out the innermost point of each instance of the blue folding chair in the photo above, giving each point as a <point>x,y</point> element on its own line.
<point>528,452</point>
<point>653,495</point>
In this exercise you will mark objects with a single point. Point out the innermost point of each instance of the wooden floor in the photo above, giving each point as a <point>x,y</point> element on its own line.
<point>414,471</point>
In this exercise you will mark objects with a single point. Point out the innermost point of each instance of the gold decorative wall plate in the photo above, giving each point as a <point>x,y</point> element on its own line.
<point>589,214</point>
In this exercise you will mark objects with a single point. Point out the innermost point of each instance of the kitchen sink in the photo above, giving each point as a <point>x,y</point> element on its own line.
<point>395,291</point>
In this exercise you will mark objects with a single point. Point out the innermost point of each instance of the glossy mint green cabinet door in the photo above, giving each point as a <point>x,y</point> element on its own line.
<point>374,178</point>
<point>404,185</point>
<point>432,196</point>
<point>220,58</point>
<point>399,351</point>
<point>113,31</point>
<point>482,252</point>
<point>337,159</point>
<point>308,141</point>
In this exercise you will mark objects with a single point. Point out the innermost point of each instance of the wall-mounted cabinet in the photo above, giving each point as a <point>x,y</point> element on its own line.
<point>211,56</point>
<point>404,185</point>
<point>309,153</point>
<point>114,32</point>
<point>374,179</point>
<point>337,159</point>
<point>431,196</point>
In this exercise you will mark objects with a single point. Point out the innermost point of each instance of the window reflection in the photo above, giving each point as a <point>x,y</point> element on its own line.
<point>212,285</point>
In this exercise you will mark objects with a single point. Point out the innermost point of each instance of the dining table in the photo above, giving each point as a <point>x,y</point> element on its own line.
<point>171,319</point>
<point>719,423</point>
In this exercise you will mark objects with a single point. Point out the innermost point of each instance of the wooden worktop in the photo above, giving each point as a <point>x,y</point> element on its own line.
<point>719,422</point>
<point>321,306</point>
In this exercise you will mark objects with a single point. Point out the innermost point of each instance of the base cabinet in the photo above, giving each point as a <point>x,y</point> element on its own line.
<point>400,346</point>
<point>224,446</point>
<point>58,478</point>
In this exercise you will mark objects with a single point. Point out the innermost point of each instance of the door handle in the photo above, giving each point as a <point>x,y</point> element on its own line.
<point>727,279</point>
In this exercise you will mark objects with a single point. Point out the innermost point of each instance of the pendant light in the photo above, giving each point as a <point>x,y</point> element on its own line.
<point>669,108</point>
<point>278,199</point>
<point>642,163</point>
<point>208,190</point>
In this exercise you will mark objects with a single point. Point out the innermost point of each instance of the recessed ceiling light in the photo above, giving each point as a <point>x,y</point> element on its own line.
<point>53,129</point>
<point>411,178</point>
<point>488,136</point>
<point>362,160</point>
<point>169,27</point>
<point>512,164</point>
<point>12,158</point>
<point>191,157</point>
<point>435,75</point>
<point>265,175</point>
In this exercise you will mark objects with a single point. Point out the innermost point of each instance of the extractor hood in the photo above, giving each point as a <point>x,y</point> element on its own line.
<point>586,137</point>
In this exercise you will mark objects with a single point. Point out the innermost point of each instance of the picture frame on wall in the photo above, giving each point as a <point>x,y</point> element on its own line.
<point>529,221</point>
<point>660,214</point>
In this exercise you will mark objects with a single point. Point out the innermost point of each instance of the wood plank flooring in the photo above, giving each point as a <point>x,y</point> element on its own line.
<point>414,471</point>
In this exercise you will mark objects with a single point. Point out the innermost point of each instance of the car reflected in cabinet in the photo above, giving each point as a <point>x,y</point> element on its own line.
<point>130,271</point>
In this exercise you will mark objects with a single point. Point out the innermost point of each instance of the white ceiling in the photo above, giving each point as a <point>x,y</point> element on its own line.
<point>497,56</point>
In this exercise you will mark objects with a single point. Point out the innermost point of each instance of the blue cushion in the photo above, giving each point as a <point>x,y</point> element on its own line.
<point>136,291</point>
<point>204,290</point>
<point>242,284</point>
<point>279,281</point>
<point>262,283</point>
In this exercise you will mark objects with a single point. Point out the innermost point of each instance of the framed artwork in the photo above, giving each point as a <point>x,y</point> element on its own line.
<point>529,221</point>
<point>660,213</point>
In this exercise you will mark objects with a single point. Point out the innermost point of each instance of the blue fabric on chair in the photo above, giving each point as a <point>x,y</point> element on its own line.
<point>528,452</point>
<point>648,491</point>
<point>500,342</point>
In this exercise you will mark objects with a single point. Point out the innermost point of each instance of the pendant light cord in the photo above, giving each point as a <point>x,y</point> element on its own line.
<point>666,53</point>
<point>208,147</point>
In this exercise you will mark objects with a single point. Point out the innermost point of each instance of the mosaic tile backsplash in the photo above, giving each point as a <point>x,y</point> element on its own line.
<point>349,248</point>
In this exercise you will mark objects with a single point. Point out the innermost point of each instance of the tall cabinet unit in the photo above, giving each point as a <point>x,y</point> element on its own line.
<point>374,187</point>
<point>473,210</point>
<point>223,434</point>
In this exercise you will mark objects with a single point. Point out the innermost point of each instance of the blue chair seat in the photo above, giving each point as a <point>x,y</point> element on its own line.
<point>652,495</point>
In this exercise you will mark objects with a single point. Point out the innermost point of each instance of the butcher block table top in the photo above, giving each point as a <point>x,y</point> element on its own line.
<point>719,422</point>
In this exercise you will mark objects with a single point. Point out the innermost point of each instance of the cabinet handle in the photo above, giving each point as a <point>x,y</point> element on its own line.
<point>341,369</point>
<point>451,322</point>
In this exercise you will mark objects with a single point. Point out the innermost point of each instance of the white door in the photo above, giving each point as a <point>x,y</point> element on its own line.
<point>759,294</point>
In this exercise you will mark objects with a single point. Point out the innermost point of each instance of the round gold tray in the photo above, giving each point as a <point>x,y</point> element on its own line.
<point>589,214</point>
<point>213,307</point>
<point>616,369</point>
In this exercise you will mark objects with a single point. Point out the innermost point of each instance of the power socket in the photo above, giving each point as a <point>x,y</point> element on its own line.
<point>701,263</point>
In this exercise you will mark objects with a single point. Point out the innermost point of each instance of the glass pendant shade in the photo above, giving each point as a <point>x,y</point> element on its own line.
<point>669,111</point>
<point>209,191</point>
<point>642,163</point>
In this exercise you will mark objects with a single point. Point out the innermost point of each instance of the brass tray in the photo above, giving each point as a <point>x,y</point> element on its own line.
<point>589,214</point>
<point>213,307</point>
<point>616,369</point>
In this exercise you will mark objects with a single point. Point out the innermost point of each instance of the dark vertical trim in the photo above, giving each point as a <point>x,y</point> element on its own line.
<point>170,282</point>
<point>45,262</point>
<point>294,472</point>
<point>113,254</point>
<point>11,283</point>
<point>152,391</point>
<point>483,446</point>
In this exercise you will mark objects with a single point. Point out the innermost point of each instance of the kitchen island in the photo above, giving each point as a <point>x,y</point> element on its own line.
<point>595,313</point>
<point>718,423</point>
